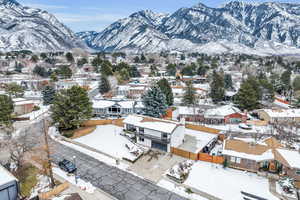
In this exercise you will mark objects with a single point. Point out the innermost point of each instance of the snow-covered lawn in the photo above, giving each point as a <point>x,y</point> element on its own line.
<point>227,184</point>
<point>107,139</point>
<point>236,128</point>
<point>98,156</point>
<point>178,190</point>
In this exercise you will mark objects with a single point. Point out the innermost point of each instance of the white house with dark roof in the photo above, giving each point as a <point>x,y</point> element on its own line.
<point>155,133</point>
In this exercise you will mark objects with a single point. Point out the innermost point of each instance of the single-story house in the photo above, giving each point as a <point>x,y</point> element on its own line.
<point>103,108</point>
<point>155,133</point>
<point>279,115</point>
<point>267,155</point>
<point>9,185</point>
<point>190,114</point>
<point>226,114</point>
<point>22,106</point>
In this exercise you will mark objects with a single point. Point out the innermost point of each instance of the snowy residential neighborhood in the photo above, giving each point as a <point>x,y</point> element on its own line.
<point>199,104</point>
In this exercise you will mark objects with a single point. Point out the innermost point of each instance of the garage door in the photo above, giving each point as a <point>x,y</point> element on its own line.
<point>159,146</point>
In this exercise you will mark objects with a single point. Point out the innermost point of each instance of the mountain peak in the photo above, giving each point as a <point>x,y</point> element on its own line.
<point>8,2</point>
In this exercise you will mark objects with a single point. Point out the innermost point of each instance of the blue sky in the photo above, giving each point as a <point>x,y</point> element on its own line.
<point>85,15</point>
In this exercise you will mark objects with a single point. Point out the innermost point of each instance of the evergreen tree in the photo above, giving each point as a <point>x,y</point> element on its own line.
<point>228,81</point>
<point>189,70</point>
<point>96,63</point>
<point>134,72</point>
<point>124,74</point>
<point>104,85</point>
<point>65,72</point>
<point>189,97</point>
<point>43,56</point>
<point>53,77</point>
<point>82,62</point>
<point>70,108</point>
<point>106,68</point>
<point>171,69</point>
<point>217,92</point>
<point>69,57</point>
<point>7,108</point>
<point>40,71</point>
<point>34,58</point>
<point>48,95</point>
<point>143,58</point>
<point>136,59</point>
<point>14,90</point>
<point>296,83</point>
<point>153,70</point>
<point>164,86</point>
<point>154,101</point>
<point>202,70</point>
<point>247,97</point>
<point>286,79</point>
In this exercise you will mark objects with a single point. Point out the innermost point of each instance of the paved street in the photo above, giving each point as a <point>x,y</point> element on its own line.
<point>118,183</point>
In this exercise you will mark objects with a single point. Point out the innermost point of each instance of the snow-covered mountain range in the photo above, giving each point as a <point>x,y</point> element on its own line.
<point>33,29</point>
<point>255,28</point>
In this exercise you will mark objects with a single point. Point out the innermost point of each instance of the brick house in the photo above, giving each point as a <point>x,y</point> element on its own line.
<point>267,155</point>
<point>226,114</point>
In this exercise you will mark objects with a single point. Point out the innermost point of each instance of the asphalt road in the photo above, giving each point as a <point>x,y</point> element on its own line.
<point>118,183</point>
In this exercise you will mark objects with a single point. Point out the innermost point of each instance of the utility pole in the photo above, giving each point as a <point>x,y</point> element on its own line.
<point>49,165</point>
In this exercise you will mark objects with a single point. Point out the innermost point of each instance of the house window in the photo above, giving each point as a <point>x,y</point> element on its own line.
<point>141,130</point>
<point>235,160</point>
<point>141,139</point>
<point>164,135</point>
<point>298,172</point>
<point>232,159</point>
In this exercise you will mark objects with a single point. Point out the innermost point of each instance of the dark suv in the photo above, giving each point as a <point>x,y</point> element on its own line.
<point>67,166</point>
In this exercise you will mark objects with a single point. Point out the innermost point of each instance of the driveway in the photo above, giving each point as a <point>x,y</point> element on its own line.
<point>118,183</point>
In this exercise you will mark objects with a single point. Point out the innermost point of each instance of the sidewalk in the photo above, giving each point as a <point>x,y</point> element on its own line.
<point>96,195</point>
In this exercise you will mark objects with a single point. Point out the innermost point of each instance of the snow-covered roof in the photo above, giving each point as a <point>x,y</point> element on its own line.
<point>5,176</point>
<point>291,157</point>
<point>156,124</point>
<point>282,113</point>
<point>126,104</point>
<point>103,104</point>
<point>221,112</point>
<point>249,149</point>
<point>21,101</point>
<point>183,110</point>
<point>202,138</point>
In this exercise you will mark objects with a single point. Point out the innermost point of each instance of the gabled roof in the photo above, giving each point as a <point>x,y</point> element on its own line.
<point>221,112</point>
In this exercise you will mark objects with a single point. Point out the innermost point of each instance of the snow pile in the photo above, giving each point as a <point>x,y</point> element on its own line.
<point>180,172</point>
<point>285,186</point>
<point>42,186</point>
<point>134,149</point>
<point>86,186</point>
<point>61,197</point>
<point>179,190</point>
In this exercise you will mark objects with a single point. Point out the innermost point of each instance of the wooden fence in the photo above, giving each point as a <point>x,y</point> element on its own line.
<point>208,158</point>
<point>117,122</point>
<point>198,156</point>
<point>202,128</point>
<point>185,154</point>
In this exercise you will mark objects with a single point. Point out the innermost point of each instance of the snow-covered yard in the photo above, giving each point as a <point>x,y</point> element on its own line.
<point>179,190</point>
<point>236,128</point>
<point>227,184</point>
<point>107,139</point>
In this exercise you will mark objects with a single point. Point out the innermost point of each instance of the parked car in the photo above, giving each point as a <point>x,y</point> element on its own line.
<point>67,166</point>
